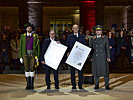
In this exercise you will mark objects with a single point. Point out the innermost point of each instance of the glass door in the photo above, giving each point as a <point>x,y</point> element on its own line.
<point>59,25</point>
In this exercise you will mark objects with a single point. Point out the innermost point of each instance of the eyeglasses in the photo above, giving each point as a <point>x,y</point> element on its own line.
<point>76,28</point>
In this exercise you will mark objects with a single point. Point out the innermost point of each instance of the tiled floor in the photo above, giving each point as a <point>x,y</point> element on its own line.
<point>12,87</point>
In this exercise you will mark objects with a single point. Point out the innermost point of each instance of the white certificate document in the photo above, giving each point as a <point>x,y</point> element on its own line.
<point>78,55</point>
<point>54,54</point>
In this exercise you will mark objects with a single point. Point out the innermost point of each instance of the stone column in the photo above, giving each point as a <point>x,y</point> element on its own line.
<point>127,17</point>
<point>124,18</point>
<point>35,13</point>
<point>130,17</point>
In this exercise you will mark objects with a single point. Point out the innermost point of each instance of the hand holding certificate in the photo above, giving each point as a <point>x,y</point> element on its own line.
<point>54,54</point>
<point>78,55</point>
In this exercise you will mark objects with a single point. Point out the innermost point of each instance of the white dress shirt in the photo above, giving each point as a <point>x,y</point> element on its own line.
<point>29,34</point>
<point>52,39</point>
<point>76,34</point>
<point>99,36</point>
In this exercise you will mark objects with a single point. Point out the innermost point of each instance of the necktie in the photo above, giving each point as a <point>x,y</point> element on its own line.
<point>28,38</point>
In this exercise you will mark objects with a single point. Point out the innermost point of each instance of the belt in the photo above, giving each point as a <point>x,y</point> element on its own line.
<point>29,52</point>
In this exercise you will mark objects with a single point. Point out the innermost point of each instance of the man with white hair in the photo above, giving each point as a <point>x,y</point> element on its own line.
<point>72,38</point>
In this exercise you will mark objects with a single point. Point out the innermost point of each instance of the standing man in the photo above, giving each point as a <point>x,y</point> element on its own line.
<point>72,38</point>
<point>29,52</point>
<point>130,47</point>
<point>100,57</point>
<point>45,46</point>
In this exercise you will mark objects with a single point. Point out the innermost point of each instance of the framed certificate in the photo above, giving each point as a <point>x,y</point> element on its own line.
<point>54,54</point>
<point>78,55</point>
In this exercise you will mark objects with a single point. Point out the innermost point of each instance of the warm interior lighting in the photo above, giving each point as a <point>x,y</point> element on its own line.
<point>89,1</point>
<point>88,14</point>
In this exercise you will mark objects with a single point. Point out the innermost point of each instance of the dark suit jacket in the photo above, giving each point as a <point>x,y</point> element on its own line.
<point>130,47</point>
<point>45,46</point>
<point>121,42</point>
<point>72,39</point>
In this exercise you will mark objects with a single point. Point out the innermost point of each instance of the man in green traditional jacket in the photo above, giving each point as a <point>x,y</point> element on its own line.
<point>29,53</point>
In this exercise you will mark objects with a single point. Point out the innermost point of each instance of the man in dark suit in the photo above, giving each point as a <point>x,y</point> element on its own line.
<point>72,38</point>
<point>45,46</point>
<point>130,47</point>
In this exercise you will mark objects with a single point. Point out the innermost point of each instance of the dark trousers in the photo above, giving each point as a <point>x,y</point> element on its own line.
<point>3,61</point>
<point>73,80</point>
<point>106,79</point>
<point>4,57</point>
<point>47,76</point>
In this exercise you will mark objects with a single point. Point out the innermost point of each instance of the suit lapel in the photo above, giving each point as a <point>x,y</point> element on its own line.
<point>79,35</point>
<point>49,41</point>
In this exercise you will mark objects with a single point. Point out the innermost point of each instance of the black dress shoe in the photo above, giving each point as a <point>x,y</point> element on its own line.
<point>107,88</point>
<point>32,88</point>
<point>27,88</point>
<point>96,87</point>
<point>57,87</point>
<point>80,87</point>
<point>74,87</point>
<point>48,87</point>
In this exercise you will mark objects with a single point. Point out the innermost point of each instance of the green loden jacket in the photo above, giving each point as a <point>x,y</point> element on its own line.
<point>36,45</point>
